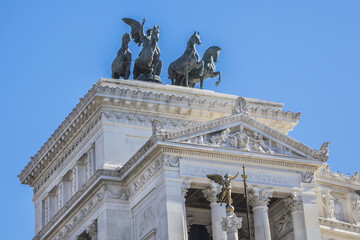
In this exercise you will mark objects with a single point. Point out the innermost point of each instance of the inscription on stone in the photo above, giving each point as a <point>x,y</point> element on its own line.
<point>254,175</point>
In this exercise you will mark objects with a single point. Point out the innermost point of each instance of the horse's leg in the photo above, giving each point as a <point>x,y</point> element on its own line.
<point>186,77</point>
<point>201,66</point>
<point>215,74</point>
<point>201,82</point>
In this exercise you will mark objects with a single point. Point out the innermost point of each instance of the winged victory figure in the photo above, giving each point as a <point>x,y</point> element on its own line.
<point>225,195</point>
<point>148,65</point>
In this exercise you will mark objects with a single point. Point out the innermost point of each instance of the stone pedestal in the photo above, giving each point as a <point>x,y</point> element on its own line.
<point>259,200</point>
<point>230,225</point>
<point>294,203</point>
<point>217,212</point>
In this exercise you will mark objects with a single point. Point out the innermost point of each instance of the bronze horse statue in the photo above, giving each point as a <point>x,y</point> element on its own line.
<point>179,69</point>
<point>122,62</point>
<point>147,66</point>
<point>210,56</point>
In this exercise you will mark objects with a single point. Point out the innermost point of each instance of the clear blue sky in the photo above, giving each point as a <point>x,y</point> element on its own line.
<point>305,54</point>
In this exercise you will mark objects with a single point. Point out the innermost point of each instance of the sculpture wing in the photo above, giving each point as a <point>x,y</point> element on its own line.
<point>135,29</point>
<point>216,178</point>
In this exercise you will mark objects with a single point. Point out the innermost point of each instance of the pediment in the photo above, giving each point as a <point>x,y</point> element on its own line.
<point>242,132</point>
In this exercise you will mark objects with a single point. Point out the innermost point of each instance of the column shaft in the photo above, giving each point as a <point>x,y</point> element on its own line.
<point>217,214</point>
<point>261,223</point>
<point>299,226</point>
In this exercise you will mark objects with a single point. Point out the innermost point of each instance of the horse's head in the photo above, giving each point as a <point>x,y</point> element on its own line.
<point>126,39</point>
<point>155,33</point>
<point>195,38</point>
<point>211,52</point>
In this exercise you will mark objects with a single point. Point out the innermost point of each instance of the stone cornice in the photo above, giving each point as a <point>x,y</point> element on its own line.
<point>337,225</point>
<point>337,178</point>
<point>201,127</point>
<point>176,101</point>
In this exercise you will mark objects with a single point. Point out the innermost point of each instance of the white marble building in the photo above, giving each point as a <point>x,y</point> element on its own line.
<point>130,162</point>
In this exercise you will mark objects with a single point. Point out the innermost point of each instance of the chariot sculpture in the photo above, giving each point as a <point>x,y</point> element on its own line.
<point>147,66</point>
<point>186,71</point>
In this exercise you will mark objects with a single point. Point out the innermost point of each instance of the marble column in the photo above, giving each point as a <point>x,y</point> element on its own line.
<point>259,199</point>
<point>184,189</point>
<point>294,203</point>
<point>217,212</point>
<point>230,225</point>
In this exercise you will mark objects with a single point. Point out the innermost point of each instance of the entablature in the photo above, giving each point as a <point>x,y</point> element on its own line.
<point>175,102</point>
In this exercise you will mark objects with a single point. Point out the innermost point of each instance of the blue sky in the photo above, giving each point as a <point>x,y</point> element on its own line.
<point>305,54</point>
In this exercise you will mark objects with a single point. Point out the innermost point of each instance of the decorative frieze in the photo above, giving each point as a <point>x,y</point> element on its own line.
<point>337,225</point>
<point>257,141</point>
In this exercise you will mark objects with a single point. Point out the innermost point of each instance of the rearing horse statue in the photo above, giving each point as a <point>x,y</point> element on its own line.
<point>210,57</point>
<point>179,69</point>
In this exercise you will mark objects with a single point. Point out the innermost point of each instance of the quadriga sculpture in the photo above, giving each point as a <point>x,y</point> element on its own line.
<point>210,56</point>
<point>122,62</point>
<point>179,69</point>
<point>147,66</point>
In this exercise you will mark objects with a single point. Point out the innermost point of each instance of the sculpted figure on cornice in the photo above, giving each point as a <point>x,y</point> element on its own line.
<point>148,65</point>
<point>339,176</point>
<point>241,138</point>
<point>240,106</point>
<point>329,202</point>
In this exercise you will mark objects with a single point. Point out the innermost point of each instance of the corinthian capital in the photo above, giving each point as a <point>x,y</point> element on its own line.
<point>294,202</point>
<point>259,197</point>
<point>210,192</point>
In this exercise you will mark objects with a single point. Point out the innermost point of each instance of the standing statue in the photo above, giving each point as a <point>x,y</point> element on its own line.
<point>122,62</point>
<point>179,69</point>
<point>225,195</point>
<point>147,66</point>
<point>210,56</point>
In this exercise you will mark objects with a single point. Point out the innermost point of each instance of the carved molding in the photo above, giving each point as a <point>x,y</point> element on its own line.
<point>171,161</point>
<point>146,120</point>
<point>334,224</point>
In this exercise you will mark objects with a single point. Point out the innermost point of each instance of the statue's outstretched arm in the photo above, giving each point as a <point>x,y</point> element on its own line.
<point>234,177</point>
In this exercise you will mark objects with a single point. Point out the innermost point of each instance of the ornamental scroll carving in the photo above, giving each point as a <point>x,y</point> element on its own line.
<point>259,197</point>
<point>240,138</point>
<point>171,161</point>
<point>145,120</point>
